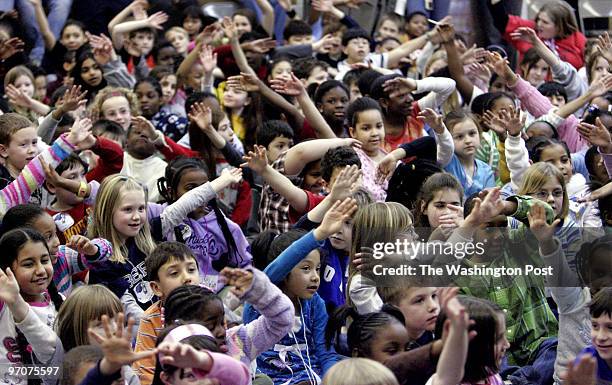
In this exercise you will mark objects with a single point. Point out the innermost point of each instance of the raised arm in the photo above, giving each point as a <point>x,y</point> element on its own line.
<point>136,8</point>
<point>303,153</point>
<point>407,48</point>
<point>267,11</point>
<point>294,87</point>
<point>258,161</point>
<point>154,21</point>
<point>455,66</point>
<point>43,24</point>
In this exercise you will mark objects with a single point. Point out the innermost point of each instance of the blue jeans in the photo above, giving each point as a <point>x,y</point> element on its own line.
<point>57,16</point>
<point>538,372</point>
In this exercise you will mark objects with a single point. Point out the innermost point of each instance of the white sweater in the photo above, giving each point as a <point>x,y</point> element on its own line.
<point>146,171</point>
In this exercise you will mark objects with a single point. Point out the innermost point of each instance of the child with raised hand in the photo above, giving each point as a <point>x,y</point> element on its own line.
<point>23,172</point>
<point>302,355</point>
<point>196,364</point>
<point>473,174</point>
<point>29,302</point>
<point>170,265</point>
<point>244,342</point>
<point>205,224</point>
<point>122,216</point>
<point>68,260</point>
<point>117,347</point>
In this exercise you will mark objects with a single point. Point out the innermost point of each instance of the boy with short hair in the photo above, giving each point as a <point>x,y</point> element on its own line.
<point>170,265</point>
<point>310,70</point>
<point>356,43</point>
<point>601,334</point>
<point>276,136</point>
<point>298,32</point>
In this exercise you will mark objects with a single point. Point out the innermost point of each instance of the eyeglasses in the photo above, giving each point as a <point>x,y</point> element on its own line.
<point>543,195</point>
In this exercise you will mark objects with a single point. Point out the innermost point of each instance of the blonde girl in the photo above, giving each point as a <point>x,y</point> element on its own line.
<point>359,371</point>
<point>84,309</point>
<point>376,222</point>
<point>19,86</point>
<point>120,216</point>
<point>179,38</point>
<point>545,182</point>
<point>115,104</point>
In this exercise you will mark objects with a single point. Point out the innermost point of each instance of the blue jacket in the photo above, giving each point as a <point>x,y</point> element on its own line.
<point>305,346</point>
<point>483,176</point>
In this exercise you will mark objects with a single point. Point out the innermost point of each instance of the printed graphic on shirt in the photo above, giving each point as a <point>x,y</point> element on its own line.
<point>138,285</point>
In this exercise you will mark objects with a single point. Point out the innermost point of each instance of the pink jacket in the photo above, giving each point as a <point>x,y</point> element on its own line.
<point>226,370</point>
<point>537,105</point>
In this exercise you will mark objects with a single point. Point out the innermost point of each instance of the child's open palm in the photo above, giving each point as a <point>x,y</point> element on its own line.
<point>538,224</point>
<point>17,97</point>
<point>604,46</point>
<point>157,20</point>
<point>256,160</point>
<point>240,279</point>
<point>488,208</point>
<point>433,120</point>
<point>600,86</point>
<point>79,133</point>
<point>117,346</point>
<point>332,222</point>
<point>201,115</point>
<point>525,34</point>
<point>9,288</point>
<point>208,58</point>
<point>345,183</point>
<point>72,99</point>
<point>501,66</point>
<point>83,245</point>
<point>597,134</point>
<point>398,86</point>
<point>231,176</point>
<point>246,82</point>
<point>514,122</point>
<point>10,47</point>
<point>183,356</point>
<point>102,48</point>
<point>229,28</point>
<point>291,87</point>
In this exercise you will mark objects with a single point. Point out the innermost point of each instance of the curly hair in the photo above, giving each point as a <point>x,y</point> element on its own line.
<point>109,92</point>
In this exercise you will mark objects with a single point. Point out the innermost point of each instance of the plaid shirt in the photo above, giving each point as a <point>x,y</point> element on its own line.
<point>529,319</point>
<point>273,207</point>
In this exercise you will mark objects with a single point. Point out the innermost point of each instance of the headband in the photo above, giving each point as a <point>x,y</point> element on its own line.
<point>185,331</point>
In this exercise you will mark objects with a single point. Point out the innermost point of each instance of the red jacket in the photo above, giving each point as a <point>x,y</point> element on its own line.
<point>110,159</point>
<point>570,49</point>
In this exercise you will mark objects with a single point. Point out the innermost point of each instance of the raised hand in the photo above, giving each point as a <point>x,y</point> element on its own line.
<point>83,245</point>
<point>514,122</point>
<point>386,167</point>
<point>210,33</point>
<point>138,8</point>
<point>473,55</point>
<point>501,67</point>
<point>245,81</point>
<point>452,219</point>
<point>10,47</point>
<point>291,87</point>
<point>72,99</point>
<point>479,71</point>
<point>332,222</point>
<point>604,46</point>
<point>79,132</point>
<point>259,46</point>
<point>494,124</point>
<point>9,288</point>
<point>285,4</point>
<point>231,176</point>
<point>486,209</point>
<point>201,115</point>
<point>208,58</point>
<point>117,345</point>
<point>525,34</point>
<point>597,134</point>
<point>229,28</point>
<point>601,192</point>
<point>600,86</point>
<point>17,97</point>
<point>183,356</point>
<point>157,20</point>
<point>323,45</point>
<point>433,120</point>
<point>582,373</point>
<point>398,86</point>
<point>240,279</point>
<point>345,183</point>
<point>445,32</point>
<point>103,49</point>
<point>538,225</point>
<point>256,160</point>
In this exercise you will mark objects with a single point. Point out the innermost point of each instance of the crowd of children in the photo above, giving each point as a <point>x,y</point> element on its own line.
<point>194,199</point>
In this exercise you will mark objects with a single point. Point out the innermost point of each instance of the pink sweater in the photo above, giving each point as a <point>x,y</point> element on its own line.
<point>226,370</point>
<point>537,105</point>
